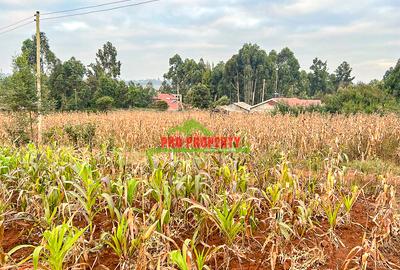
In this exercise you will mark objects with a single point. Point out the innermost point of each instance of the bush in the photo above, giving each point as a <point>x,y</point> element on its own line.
<point>361,98</point>
<point>286,109</point>
<point>104,103</point>
<point>17,130</point>
<point>224,100</point>
<point>160,105</point>
<point>82,134</point>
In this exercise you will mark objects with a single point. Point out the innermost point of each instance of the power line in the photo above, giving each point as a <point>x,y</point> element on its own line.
<point>12,29</point>
<point>18,22</point>
<point>87,7</point>
<point>100,10</point>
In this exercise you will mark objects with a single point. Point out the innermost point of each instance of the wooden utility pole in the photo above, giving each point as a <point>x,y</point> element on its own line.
<point>38,75</point>
<point>263,91</point>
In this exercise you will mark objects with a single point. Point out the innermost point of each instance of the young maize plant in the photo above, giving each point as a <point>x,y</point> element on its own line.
<point>349,200</point>
<point>226,217</point>
<point>192,256</point>
<point>272,194</point>
<point>57,243</point>
<point>160,191</point>
<point>182,258</point>
<point>88,193</point>
<point>126,238</point>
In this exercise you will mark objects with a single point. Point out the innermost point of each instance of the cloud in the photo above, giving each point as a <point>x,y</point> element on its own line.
<point>365,35</point>
<point>72,26</point>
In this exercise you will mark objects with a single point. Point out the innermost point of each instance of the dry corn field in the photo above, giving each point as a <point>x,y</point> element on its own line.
<point>314,192</point>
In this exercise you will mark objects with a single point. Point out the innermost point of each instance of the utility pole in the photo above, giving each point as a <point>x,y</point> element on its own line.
<point>276,82</point>
<point>263,90</point>
<point>38,75</point>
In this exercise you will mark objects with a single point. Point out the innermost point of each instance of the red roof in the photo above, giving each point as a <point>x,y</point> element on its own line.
<point>292,102</point>
<point>172,101</point>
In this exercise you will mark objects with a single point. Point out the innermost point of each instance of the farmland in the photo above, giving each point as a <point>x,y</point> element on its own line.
<point>314,192</point>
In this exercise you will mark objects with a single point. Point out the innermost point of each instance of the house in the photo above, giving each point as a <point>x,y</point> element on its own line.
<point>173,101</point>
<point>237,107</point>
<point>270,104</point>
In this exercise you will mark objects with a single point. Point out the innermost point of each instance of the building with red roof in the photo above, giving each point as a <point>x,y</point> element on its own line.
<point>172,100</point>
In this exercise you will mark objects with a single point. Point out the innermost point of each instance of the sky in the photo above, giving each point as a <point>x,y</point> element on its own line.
<point>365,33</point>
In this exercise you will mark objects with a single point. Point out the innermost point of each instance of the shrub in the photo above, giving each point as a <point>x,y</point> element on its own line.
<point>18,131</point>
<point>224,100</point>
<point>104,103</point>
<point>82,134</point>
<point>160,105</point>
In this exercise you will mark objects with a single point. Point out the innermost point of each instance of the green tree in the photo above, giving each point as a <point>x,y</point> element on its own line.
<point>360,98</point>
<point>217,82</point>
<point>138,96</point>
<point>319,78</point>
<point>391,80</point>
<point>104,103</point>
<point>245,73</point>
<point>19,92</point>
<point>199,96</point>
<point>66,84</point>
<point>343,76</point>
<point>288,72</point>
<point>175,73</point>
<point>48,59</point>
<point>106,62</point>
<point>118,90</point>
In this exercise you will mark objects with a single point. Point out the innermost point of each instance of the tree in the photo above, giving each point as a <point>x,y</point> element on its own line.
<point>391,80</point>
<point>66,84</point>
<point>20,88</point>
<point>360,98</point>
<point>19,95</point>
<point>48,59</point>
<point>217,82</point>
<point>288,72</point>
<point>199,96</point>
<point>175,73</point>
<point>116,89</point>
<point>106,62</point>
<point>343,76</point>
<point>104,103</point>
<point>245,73</point>
<point>138,96</point>
<point>319,78</point>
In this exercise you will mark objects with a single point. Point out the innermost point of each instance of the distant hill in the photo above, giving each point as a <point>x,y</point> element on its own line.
<point>156,82</point>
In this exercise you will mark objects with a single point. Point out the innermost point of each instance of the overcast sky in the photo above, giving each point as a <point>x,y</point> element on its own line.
<point>366,33</point>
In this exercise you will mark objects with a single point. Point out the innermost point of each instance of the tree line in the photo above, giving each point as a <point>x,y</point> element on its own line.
<point>70,85</point>
<point>252,76</point>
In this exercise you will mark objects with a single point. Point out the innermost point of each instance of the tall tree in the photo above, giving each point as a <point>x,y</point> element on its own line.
<point>288,72</point>
<point>66,84</point>
<point>48,59</point>
<point>343,75</point>
<point>106,61</point>
<point>319,77</point>
<point>392,80</point>
<point>175,73</point>
<point>19,89</point>
<point>247,71</point>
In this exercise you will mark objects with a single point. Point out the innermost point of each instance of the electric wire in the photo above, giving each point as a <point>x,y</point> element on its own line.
<point>100,10</point>
<point>87,7</point>
<point>18,22</point>
<point>12,29</point>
